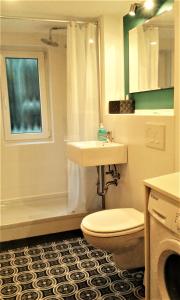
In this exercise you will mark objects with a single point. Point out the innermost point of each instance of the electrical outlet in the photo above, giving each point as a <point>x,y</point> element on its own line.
<point>155,136</point>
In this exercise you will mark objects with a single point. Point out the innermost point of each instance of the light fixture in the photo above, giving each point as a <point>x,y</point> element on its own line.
<point>133,8</point>
<point>148,4</point>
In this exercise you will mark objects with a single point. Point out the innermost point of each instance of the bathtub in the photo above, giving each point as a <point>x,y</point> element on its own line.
<point>33,216</point>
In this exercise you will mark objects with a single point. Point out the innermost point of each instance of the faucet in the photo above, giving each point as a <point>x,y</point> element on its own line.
<point>109,136</point>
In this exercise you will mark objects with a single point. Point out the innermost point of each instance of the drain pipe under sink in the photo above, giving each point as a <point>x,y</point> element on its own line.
<point>102,187</point>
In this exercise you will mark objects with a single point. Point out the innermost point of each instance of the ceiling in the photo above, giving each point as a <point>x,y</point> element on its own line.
<point>82,10</point>
<point>63,9</point>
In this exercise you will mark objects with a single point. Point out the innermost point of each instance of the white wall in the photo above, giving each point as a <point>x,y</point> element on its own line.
<point>177,85</point>
<point>143,162</point>
<point>39,168</point>
<point>112,51</point>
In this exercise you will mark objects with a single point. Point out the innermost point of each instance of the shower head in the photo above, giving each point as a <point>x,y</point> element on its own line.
<point>50,41</point>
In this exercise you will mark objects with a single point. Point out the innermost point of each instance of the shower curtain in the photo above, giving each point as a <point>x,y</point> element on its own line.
<point>152,42</point>
<point>148,43</point>
<point>82,111</point>
<point>143,83</point>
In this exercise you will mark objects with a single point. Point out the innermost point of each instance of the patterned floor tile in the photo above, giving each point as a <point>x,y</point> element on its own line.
<point>67,269</point>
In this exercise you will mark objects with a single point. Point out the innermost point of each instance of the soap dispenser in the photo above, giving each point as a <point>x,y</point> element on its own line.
<point>102,133</point>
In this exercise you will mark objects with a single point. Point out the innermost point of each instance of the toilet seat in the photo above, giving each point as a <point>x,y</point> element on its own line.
<point>118,231</point>
<point>113,222</point>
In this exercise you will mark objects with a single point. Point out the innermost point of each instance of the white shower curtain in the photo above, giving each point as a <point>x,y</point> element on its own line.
<point>152,42</point>
<point>143,82</point>
<point>82,111</point>
<point>148,45</point>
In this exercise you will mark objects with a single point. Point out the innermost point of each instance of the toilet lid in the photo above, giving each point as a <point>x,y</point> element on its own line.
<point>113,220</point>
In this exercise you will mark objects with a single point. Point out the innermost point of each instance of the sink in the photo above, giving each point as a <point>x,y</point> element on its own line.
<point>96,153</point>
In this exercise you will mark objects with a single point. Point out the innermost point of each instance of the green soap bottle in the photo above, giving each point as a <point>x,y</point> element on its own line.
<point>102,133</point>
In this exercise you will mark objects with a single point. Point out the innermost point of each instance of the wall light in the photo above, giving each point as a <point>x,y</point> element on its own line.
<point>133,8</point>
<point>148,4</point>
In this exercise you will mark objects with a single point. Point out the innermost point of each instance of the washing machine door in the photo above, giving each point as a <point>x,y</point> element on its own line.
<point>169,269</point>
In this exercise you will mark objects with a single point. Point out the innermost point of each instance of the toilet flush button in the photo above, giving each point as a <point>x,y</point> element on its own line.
<point>155,135</point>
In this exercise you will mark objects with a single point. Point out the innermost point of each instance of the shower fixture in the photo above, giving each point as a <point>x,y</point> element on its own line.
<point>50,40</point>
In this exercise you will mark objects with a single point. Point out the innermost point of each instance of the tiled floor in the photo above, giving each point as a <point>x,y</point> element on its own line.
<point>64,267</point>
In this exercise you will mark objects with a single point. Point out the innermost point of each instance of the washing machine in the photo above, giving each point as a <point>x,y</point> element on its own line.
<point>164,247</point>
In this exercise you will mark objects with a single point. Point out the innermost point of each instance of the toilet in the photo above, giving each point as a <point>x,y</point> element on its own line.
<point>119,231</point>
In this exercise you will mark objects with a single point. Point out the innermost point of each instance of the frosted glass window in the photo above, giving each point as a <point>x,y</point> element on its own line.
<point>24,95</point>
<point>25,99</point>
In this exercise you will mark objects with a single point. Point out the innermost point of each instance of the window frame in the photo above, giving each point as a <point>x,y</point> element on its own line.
<point>45,133</point>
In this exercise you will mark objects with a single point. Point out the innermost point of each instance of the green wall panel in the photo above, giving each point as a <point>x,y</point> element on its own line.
<point>150,99</point>
<point>155,99</point>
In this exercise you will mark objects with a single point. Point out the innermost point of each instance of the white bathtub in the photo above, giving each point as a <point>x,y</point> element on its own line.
<point>33,216</point>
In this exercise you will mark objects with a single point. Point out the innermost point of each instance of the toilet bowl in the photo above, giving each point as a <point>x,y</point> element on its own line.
<point>119,231</point>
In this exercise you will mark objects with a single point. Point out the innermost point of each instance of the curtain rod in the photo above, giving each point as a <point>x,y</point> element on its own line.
<point>47,20</point>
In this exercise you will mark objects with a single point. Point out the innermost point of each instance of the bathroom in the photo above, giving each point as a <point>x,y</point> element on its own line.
<point>34,198</point>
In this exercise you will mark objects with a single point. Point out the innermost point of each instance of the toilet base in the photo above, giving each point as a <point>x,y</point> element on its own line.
<point>131,257</point>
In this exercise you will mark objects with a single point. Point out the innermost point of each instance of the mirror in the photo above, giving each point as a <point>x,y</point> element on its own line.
<point>151,54</point>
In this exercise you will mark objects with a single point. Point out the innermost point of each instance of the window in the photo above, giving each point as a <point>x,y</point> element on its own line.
<point>24,95</point>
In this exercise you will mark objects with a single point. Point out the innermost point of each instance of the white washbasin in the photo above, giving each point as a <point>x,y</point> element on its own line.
<point>96,153</point>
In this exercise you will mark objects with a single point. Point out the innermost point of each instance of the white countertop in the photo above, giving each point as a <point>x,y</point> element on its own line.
<point>168,185</point>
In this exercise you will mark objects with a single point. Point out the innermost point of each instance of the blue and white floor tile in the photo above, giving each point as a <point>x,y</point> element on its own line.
<point>67,269</point>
